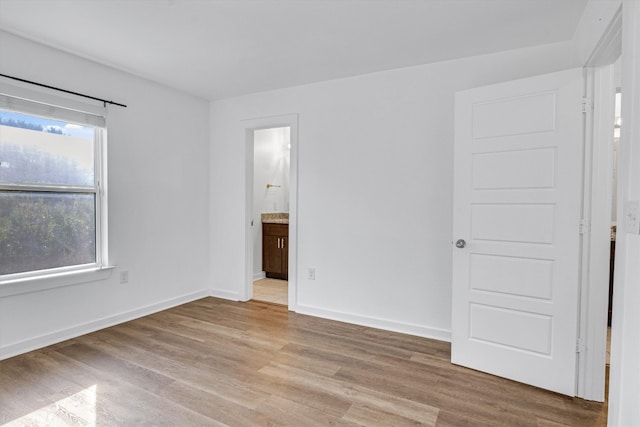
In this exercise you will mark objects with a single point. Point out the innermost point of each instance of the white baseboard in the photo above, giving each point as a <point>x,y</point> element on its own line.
<point>372,322</point>
<point>31,344</point>
<point>259,276</point>
<point>219,293</point>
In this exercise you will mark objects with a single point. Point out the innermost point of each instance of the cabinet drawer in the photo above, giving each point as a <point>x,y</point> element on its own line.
<point>269,229</point>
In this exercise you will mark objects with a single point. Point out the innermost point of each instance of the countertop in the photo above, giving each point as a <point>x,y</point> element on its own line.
<point>275,218</point>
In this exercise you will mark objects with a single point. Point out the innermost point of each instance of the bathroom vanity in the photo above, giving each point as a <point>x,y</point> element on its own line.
<point>275,245</point>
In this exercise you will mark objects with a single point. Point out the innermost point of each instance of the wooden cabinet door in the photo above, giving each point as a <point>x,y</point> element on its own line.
<point>272,255</point>
<point>285,255</point>
<point>275,250</point>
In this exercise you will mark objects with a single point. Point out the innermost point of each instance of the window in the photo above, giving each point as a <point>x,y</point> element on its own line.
<point>51,198</point>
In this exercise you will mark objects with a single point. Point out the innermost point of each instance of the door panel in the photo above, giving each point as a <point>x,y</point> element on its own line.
<point>519,276</point>
<point>484,319</point>
<point>513,222</point>
<point>501,117</point>
<point>272,255</point>
<point>517,204</point>
<point>519,169</point>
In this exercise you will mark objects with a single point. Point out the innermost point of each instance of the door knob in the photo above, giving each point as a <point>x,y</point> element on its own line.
<point>461,243</point>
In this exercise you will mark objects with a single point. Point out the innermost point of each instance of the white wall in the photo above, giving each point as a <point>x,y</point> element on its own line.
<point>375,187</point>
<point>158,202</point>
<point>270,166</point>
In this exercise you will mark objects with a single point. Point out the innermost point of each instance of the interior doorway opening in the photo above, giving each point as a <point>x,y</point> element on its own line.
<point>614,213</point>
<point>270,214</point>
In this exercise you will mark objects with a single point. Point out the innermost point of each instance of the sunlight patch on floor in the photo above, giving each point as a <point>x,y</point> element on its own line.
<point>78,409</point>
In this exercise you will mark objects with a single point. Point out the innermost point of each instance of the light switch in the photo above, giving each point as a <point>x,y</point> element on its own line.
<point>632,216</point>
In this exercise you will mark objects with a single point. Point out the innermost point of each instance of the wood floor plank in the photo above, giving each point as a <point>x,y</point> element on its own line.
<point>191,374</point>
<point>368,416</point>
<point>215,362</point>
<point>121,368</point>
<point>384,402</point>
<point>289,412</point>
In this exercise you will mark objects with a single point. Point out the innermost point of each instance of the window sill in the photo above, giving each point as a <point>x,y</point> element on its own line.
<point>50,281</point>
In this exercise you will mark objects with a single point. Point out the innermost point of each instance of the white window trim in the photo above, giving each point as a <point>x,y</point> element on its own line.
<point>101,270</point>
<point>43,282</point>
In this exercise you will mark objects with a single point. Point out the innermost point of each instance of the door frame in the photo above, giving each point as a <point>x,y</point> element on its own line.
<point>599,115</point>
<point>249,126</point>
<point>625,347</point>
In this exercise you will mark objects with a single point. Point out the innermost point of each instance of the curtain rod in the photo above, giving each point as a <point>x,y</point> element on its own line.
<point>104,101</point>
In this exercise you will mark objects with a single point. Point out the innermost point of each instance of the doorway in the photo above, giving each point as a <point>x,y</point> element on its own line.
<point>271,190</point>
<point>600,212</point>
<point>614,203</point>
<point>271,171</point>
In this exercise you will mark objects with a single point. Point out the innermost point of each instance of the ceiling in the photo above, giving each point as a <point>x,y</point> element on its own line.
<point>222,48</point>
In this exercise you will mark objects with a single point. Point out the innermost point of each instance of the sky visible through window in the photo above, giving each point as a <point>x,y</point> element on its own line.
<point>50,125</point>
<point>42,150</point>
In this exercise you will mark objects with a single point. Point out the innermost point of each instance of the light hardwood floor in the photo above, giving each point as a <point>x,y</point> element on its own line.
<point>271,290</point>
<point>214,362</point>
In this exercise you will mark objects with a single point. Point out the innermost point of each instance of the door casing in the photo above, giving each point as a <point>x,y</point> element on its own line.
<point>249,126</point>
<point>599,95</point>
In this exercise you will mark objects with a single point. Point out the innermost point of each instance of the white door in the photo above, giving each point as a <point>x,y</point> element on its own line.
<point>517,202</point>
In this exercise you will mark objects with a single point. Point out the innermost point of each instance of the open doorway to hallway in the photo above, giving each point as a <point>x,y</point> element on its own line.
<point>270,231</point>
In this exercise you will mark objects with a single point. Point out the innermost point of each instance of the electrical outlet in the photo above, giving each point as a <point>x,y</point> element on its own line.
<point>632,216</point>
<point>311,273</point>
<point>124,276</point>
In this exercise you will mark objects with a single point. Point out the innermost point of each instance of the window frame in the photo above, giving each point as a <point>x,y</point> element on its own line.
<point>68,110</point>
